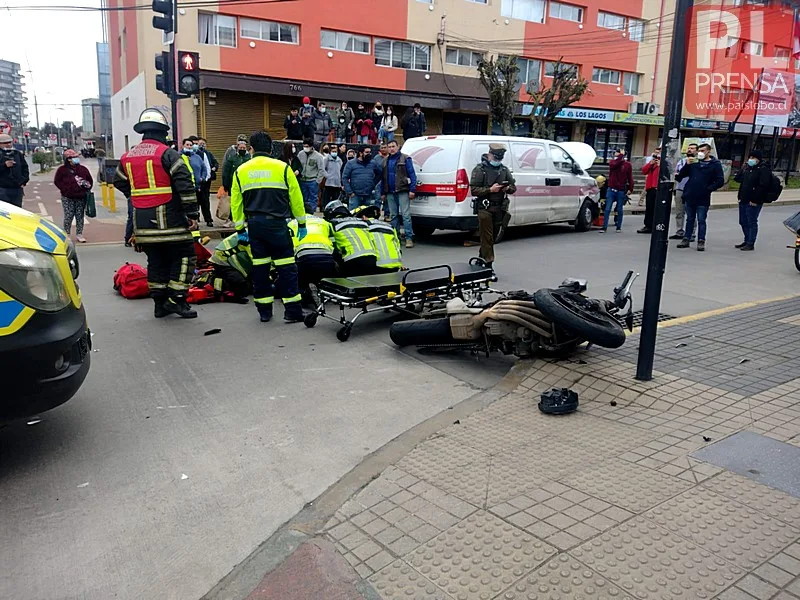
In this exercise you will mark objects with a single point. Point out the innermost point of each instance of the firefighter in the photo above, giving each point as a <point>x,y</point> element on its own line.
<point>491,182</point>
<point>264,195</point>
<point>314,256</point>
<point>384,240</point>
<point>159,185</point>
<point>232,266</point>
<point>352,241</point>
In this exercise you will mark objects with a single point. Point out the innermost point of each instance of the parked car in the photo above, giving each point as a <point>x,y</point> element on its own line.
<point>45,342</point>
<point>551,178</point>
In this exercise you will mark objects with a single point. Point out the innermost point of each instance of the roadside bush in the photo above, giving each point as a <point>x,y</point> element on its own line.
<point>45,160</point>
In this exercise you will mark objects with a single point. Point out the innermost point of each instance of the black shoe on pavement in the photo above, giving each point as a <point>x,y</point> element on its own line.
<point>265,314</point>
<point>644,230</point>
<point>603,230</point>
<point>678,235</point>
<point>748,247</point>
<point>684,243</point>
<point>178,305</point>
<point>159,312</point>
<point>701,246</point>
<point>209,224</point>
<point>740,246</point>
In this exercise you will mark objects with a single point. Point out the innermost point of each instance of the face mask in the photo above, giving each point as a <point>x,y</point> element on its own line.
<point>378,111</point>
<point>752,162</point>
<point>322,109</point>
<point>334,153</point>
<point>306,105</point>
<point>701,155</point>
<point>76,161</point>
<point>187,150</point>
<point>307,150</point>
<point>388,112</point>
<point>242,152</point>
<point>195,147</point>
<point>341,120</point>
<point>495,163</point>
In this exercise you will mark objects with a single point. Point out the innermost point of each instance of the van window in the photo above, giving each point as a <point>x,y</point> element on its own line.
<point>529,157</point>
<point>433,156</point>
<point>477,150</point>
<point>561,159</point>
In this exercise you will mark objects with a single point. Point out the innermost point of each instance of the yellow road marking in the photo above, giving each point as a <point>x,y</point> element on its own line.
<point>724,310</point>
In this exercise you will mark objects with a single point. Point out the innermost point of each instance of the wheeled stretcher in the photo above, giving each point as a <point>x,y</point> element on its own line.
<point>411,292</point>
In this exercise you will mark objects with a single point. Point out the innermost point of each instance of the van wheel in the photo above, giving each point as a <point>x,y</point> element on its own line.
<point>423,232</point>
<point>584,220</point>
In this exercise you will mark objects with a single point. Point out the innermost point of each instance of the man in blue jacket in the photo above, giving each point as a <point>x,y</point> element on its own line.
<point>704,176</point>
<point>196,162</point>
<point>400,185</point>
<point>360,177</point>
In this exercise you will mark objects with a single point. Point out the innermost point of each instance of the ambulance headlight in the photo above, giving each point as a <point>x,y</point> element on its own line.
<point>33,278</point>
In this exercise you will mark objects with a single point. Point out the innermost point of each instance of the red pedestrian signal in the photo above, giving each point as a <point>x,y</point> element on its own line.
<point>188,73</point>
<point>187,62</point>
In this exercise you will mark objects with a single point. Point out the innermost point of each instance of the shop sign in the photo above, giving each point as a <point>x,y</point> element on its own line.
<point>578,114</point>
<point>636,119</point>
<point>703,124</point>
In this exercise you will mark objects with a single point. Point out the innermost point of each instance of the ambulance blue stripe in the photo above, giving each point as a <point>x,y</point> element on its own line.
<point>54,229</point>
<point>9,310</point>
<point>47,243</point>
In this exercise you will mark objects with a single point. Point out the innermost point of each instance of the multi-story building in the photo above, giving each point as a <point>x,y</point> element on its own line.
<point>104,89</point>
<point>259,59</point>
<point>90,113</point>
<point>12,96</point>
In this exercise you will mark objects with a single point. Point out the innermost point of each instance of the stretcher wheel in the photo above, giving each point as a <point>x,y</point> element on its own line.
<point>310,320</point>
<point>344,333</point>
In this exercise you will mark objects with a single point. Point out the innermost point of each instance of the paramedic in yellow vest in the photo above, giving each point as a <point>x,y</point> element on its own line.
<point>160,187</point>
<point>384,240</point>
<point>264,195</point>
<point>352,241</point>
<point>314,255</point>
<point>232,266</point>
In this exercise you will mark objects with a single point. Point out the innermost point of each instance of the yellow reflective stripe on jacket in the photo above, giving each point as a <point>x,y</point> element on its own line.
<point>353,241</point>
<point>188,166</point>
<point>151,181</point>
<point>282,262</point>
<point>151,177</point>
<point>261,261</point>
<point>265,300</point>
<point>253,185</point>
<point>296,298</point>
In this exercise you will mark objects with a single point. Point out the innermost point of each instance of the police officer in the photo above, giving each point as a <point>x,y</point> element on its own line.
<point>491,182</point>
<point>314,255</point>
<point>384,240</point>
<point>159,185</point>
<point>265,193</point>
<point>352,241</point>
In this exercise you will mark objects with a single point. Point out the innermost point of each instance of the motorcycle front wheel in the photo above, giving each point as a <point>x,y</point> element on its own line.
<point>797,258</point>
<point>583,317</point>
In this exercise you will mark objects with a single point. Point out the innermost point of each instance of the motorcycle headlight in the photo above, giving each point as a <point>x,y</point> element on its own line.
<point>33,278</point>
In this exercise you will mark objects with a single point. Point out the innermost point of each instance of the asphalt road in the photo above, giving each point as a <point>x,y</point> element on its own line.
<point>183,452</point>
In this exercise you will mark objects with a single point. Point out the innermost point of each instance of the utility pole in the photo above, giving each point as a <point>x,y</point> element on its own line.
<point>173,97</point>
<point>670,144</point>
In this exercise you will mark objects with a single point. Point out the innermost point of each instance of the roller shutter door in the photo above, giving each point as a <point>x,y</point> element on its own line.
<point>279,107</point>
<point>233,113</point>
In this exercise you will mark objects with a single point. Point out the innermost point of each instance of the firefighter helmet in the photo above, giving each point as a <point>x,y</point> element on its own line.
<point>151,119</point>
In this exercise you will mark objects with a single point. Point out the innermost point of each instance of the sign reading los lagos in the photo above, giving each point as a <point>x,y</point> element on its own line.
<point>579,114</point>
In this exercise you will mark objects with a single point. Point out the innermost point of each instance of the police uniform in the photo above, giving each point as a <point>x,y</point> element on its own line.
<point>161,190</point>
<point>491,207</point>
<point>232,266</point>
<point>264,195</point>
<point>314,253</point>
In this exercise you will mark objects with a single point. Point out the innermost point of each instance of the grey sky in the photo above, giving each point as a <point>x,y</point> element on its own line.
<point>59,46</point>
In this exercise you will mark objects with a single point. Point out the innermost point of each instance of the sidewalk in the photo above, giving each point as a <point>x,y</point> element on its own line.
<point>665,489</point>
<point>728,200</point>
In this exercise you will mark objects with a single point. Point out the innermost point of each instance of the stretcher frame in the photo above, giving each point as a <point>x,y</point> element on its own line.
<point>412,298</point>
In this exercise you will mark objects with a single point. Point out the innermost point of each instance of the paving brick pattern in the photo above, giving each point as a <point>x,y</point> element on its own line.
<point>606,503</point>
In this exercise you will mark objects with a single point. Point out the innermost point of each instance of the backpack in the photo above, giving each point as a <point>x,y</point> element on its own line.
<point>130,281</point>
<point>774,190</point>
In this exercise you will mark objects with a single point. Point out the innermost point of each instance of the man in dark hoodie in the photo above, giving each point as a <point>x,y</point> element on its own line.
<point>293,125</point>
<point>322,123</point>
<point>755,180</point>
<point>704,176</point>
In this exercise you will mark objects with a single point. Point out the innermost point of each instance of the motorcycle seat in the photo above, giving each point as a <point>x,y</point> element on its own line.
<point>575,285</point>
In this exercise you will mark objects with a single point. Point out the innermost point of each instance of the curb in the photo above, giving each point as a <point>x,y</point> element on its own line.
<point>639,210</point>
<point>245,577</point>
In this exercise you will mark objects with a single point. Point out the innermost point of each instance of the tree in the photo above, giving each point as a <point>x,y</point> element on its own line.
<point>49,128</point>
<point>566,89</point>
<point>499,79</point>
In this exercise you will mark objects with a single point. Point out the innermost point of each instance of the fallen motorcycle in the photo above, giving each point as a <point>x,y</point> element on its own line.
<point>553,321</point>
<point>793,225</point>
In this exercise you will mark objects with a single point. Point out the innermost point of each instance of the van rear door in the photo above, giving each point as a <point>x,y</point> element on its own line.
<point>436,165</point>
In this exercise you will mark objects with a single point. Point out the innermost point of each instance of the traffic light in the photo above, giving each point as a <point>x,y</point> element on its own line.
<point>165,80</point>
<point>165,16</point>
<point>188,73</point>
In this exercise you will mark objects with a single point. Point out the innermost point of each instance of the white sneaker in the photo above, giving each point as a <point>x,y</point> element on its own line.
<point>81,239</point>
<point>409,243</point>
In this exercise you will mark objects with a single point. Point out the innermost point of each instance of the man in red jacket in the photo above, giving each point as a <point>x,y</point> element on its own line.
<point>651,169</point>
<point>620,184</point>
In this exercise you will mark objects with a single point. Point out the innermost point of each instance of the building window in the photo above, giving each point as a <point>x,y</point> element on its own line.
<point>128,107</point>
<point>346,42</point>
<point>610,21</point>
<point>636,30</point>
<point>525,10</point>
<point>463,57</point>
<point>630,83</point>
<point>752,48</point>
<point>402,55</point>
<point>269,31</point>
<point>216,30</point>
<point>732,51</point>
<point>122,109</point>
<point>605,76</point>
<point>530,72</point>
<point>479,1</point>
<point>550,69</point>
<point>782,53</point>
<point>567,12</point>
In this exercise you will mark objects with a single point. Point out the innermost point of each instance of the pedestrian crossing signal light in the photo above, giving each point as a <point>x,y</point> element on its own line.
<point>165,80</point>
<point>188,73</point>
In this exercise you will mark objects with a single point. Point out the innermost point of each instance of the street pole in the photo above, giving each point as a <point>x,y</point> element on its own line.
<point>670,144</point>
<point>791,156</point>
<point>753,138</point>
<point>173,97</point>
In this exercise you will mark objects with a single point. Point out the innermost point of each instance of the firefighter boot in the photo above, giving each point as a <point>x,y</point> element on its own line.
<point>265,312</point>
<point>178,305</point>
<point>159,312</point>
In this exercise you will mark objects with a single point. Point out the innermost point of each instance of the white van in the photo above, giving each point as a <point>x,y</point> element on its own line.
<point>551,178</point>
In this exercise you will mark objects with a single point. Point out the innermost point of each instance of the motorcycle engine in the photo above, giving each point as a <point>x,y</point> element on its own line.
<point>511,338</point>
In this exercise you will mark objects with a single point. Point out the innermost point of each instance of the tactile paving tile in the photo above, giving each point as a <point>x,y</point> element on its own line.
<point>547,457</point>
<point>770,501</point>
<point>564,578</point>
<point>509,478</point>
<point>468,482</point>
<point>491,436</point>
<point>627,485</point>
<point>400,581</point>
<point>439,452</point>
<point>738,534</point>
<point>650,563</point>
<point>479,557</point>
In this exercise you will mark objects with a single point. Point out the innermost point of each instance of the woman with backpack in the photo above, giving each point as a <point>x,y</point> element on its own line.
<point>74,181</point>
<point>755,183</point>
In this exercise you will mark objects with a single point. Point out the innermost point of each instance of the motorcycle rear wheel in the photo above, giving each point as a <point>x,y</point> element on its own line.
<point>583,317</point>
<point>421,332</point>
<point>797,258</point>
